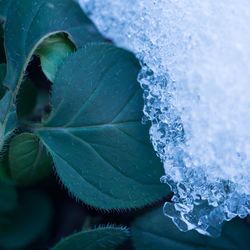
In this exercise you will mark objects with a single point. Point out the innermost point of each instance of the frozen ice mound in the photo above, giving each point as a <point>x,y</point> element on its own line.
<point>195,58</point>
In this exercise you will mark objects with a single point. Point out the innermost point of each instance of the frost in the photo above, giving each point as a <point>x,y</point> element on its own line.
<point>196,70</point>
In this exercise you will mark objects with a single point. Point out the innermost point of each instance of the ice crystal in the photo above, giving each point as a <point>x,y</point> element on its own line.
<point>196,69</point>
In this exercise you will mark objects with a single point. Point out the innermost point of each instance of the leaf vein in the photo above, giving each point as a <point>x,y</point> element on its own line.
<point>125,105</point>
<point>102,158</point>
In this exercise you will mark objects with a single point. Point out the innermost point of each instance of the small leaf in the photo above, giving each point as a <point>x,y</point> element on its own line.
<point>102,238</point>
<point>32,21</point>
<point>29,161</point>
<point>28,222</point>
<point>101,150</point>
<point>52,53</point>
<point>154,231</point>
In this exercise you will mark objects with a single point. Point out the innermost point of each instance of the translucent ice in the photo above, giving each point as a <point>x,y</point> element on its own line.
<point>196,70</point>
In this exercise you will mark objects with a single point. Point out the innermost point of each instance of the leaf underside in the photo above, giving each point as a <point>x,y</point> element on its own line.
<point>52,52</point>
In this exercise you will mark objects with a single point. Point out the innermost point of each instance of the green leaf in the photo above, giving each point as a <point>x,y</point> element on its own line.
<point>29,161</point>
<point>102,238</point>
<point>154,231</point>
<point>101,150</point>
<point>30,22</point>
<point>8,199</point>
<point>52,53</point>
<point>28,222</point>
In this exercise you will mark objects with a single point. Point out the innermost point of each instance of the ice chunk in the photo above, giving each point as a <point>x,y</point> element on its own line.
<point>196,70</point>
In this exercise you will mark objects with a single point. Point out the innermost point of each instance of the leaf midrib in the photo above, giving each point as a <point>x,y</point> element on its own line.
<point>94,127</point>
<point>86,127</point>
